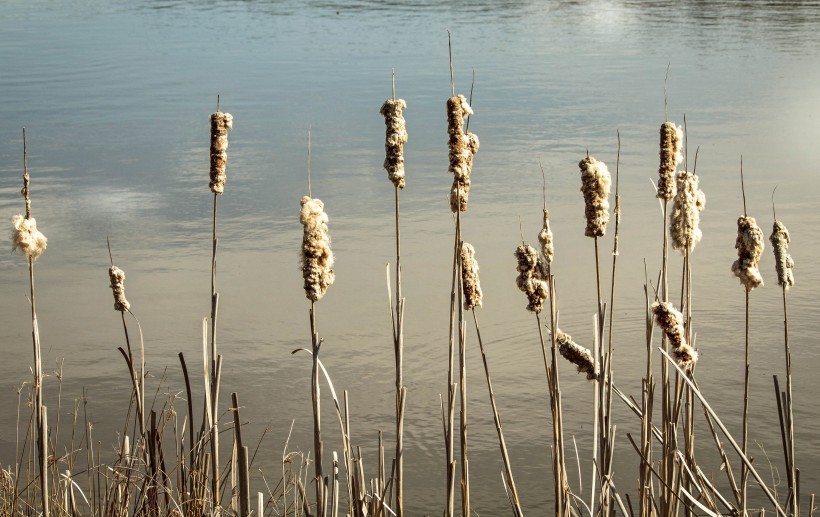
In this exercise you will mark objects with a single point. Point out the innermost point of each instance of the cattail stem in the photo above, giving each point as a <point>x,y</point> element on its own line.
<point>791,463</point>
<point>744,472</point>
<point>449,445</point>
<point>400,389</point>
<point>516,504</point>
<point>39,409</point>
<point>316,399</point>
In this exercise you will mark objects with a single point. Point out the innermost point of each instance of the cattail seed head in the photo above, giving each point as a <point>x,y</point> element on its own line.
<point>576,354</point>
<point>469,277</point>
<point>671,155</point>
<point>595,183</point>
<point>117,277</point>
<point>396,137</point>
<point>220,124</point>
<point>27,238</point>
<point>462,148</point>
<point>684,227</point>
<point>670,320</point>
<point>317,258</point>
<point>545,240</point>
<point>530,280</point>
<point>783,262</point>
<point>749,246</point>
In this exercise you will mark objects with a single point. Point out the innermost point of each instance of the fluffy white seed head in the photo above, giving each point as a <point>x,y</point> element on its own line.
<point>469,277</point>
<point>530,280</point>
<point>395,138</point>
<point>783,262</point>
<point>462,148</point>
<point>671,155</point>
<point>684,226</point>
<point>117,277</point>
<point>317,257</point>
<point>749,246</point>
<point>595,184</point>
<point>670,320</point>
<point>576,354</point>
<point>26,238</point>
<point>220,124</point>
<point>545,240</point>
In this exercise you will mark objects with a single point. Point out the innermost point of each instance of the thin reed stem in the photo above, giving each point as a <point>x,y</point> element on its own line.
<point>516,504</point>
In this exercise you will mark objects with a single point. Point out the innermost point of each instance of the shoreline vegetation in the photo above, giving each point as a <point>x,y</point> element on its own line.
<point>166,461</point>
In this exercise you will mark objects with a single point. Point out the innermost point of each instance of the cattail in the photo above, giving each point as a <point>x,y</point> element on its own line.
<point>396,137</point>
<point>595,183</point>
<point>749,246</point>
<point>671,155</point>
<point>462,148</point>
<point>530,279</point>
<point>117,277</point>
<point>469,277</point>
<point>220,124</point>
<point>545,239</point>
<point>670,320</point>
<point>27,238</point>
<point>317,258</point>
<point>576,354</point>
<point>783,262</point>
<point>690,201</point>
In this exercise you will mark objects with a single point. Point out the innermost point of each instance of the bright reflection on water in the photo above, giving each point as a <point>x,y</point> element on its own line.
<point>116,97</point>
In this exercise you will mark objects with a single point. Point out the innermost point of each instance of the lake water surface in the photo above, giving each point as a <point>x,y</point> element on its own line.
<point>116,96</point>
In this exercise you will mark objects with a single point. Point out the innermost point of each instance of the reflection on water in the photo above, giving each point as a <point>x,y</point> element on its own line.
<point>116,97</point>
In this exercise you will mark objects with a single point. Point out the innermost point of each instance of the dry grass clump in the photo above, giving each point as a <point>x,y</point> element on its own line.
<point>576,354</point>
<point>317,257</point>
<point>670,320</point>
<point>220,124</point>
<point>469,277</point>
<point>595,183</point>
<point>749,246</point>
<point>690,201</point>
<point>26,238</point>
<point>395,138</point>
<point>117,277</point>
<point>529,279</point>
<point>671,155</point>
<point>784,264</point>
<point>462,148</point>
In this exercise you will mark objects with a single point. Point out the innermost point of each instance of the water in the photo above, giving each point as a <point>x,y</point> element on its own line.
<point>115,98</point>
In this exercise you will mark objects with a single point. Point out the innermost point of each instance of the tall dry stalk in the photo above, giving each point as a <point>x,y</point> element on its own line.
<point>318,275</point>
<point>784,264</point>
<point>595,186</point>
<point>462,147</point>
<point>395,138</point>
<point>221,123</point>
<point>472,299</point>
<point>31,242</point>
<point>749,246</point>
